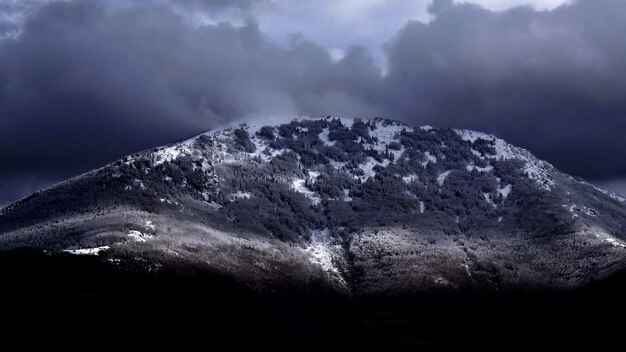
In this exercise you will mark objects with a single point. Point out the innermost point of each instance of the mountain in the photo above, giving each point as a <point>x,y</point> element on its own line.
<point>325,230</point>
<point>359,206</point>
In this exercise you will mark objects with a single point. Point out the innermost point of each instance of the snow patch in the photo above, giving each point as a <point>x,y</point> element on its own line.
<point>477,153</point>
<point>170,153</point>
<point>240,195</point>
<point>299,186</point>
<point>472,136</point>
<point>471,167</point>
<point>337,165</point>
<point>313,175</point>
<point>429,159</point>
<point>368,168</point>
<point>214,206</point>
<point>505,191</point>
<point>397,154</point>
<point>140,183</point>
<point>138,236</point>
<point>87,251</point>
<point>575,210</point>
<point>324,136</point>
<point>386,132</point>
<point>439,280</point>
<point>165,200</point>
<point>441,179</point>
<point>489,199</point>
<point>346,196</point>
<point>537,170</point>
<point>409,178</point>
<point>323,252</point>
<point>604,236</point>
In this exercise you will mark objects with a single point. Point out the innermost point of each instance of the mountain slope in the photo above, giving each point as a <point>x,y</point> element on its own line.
<point>353,205</point>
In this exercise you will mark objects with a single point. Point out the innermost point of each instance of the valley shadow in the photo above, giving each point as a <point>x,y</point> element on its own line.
<point>69,296</point>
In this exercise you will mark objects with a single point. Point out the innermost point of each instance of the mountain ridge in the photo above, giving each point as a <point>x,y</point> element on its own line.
<point>365,205</point>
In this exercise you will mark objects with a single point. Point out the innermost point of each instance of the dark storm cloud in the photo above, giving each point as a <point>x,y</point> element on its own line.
<point>553,82</point>
<point>86,82</point>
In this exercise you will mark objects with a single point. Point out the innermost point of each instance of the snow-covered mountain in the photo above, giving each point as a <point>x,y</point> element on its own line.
<point>358,205</point>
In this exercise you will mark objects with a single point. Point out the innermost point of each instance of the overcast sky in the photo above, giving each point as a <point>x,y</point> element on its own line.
<point>85,82</point>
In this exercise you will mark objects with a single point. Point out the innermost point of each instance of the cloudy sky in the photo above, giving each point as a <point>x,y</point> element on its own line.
<point>85,82</point>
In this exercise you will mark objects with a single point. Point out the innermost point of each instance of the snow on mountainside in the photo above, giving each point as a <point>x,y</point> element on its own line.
<point>365,205</point>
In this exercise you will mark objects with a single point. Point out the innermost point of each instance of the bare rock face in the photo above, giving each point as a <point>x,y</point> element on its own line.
<point>366,207</point>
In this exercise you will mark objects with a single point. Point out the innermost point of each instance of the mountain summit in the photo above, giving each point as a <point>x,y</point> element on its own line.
<point>362,206</point>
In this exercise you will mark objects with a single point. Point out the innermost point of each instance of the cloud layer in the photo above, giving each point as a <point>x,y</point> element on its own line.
<point>86,82</point>
<point>549,81</point>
